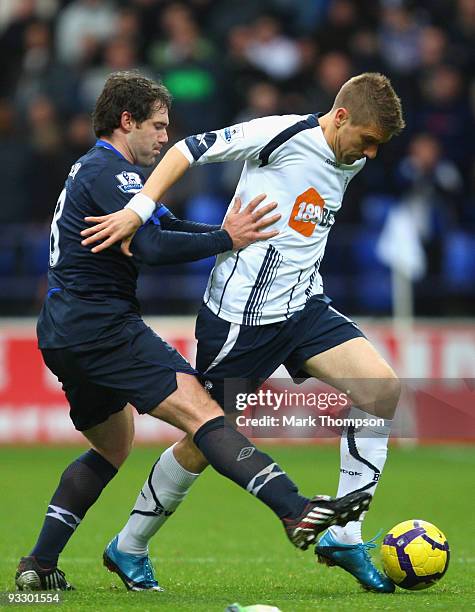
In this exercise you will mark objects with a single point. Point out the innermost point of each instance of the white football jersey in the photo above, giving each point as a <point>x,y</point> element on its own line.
<point>287,158</point>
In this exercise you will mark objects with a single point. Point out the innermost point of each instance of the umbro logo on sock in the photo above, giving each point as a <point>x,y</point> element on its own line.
<point>245,452</point>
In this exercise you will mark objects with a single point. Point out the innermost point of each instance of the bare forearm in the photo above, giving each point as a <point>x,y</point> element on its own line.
<point>171,168</point>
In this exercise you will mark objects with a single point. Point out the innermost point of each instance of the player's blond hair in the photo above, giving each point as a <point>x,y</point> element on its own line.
<point>371,100</point>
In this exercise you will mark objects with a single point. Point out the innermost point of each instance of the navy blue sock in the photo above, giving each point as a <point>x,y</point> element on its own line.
<point>232,455</point>
<point>79,487</point>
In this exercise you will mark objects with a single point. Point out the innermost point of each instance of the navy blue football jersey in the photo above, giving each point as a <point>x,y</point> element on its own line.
<point>91,296</point>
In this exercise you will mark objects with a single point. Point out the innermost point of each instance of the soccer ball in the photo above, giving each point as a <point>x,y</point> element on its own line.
<point>415,554</point>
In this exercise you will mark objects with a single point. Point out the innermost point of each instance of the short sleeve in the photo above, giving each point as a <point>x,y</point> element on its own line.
<point>243,141</point>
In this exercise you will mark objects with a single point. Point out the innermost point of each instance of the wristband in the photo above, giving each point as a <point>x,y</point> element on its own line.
<point>142,205</point>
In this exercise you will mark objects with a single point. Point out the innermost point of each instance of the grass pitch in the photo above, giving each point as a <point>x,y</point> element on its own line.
<point>224,546</point>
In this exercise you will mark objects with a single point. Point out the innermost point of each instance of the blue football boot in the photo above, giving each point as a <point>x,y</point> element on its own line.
<point>135,571</point>
<point>354,559</point>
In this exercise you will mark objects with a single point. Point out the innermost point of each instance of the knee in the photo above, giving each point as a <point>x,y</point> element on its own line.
<point>189,456</point>
<point>115,455</point>
<point>392,388</point>
<point>203,411</point>
<point>388,393</point>
<point>188,408</point>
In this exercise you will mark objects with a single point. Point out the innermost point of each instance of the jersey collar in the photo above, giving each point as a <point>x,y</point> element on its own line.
<point>107,145</point>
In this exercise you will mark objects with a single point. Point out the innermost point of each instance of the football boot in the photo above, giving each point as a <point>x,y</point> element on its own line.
<point>354,559</point>
<point>30,576</point>
<point>135,571</point>
<point>321,512</point>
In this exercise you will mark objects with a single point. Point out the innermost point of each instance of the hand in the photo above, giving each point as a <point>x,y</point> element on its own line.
<point>120,225</point>
<point>244,226</point>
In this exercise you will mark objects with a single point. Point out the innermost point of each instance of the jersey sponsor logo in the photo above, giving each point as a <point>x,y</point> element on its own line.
<point>129,182</point>
<point>234,132</point>
<point>330,162</point>
<point>309,211</point>
<point>74,170</point>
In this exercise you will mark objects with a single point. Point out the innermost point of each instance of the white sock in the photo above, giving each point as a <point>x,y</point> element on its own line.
<point>362,458</point>
<point>165,488</point>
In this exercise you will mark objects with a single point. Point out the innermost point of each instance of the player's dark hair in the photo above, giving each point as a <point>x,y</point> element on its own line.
<point>370,99</point>
<point>127,91</point>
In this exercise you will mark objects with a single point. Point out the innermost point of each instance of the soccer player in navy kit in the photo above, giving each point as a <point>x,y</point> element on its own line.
<point>265,306</point>
<point>93,338</point>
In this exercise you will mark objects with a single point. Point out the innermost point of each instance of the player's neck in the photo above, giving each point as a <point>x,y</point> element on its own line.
<point>120,145</point>
<point>328,130</point>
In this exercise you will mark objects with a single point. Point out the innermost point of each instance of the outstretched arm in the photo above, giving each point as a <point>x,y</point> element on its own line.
<point>169,222</point>
<point>244,141</point>
<point>157,245</point>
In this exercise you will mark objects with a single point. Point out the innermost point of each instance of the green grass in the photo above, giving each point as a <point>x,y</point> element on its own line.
<point>224,546</point>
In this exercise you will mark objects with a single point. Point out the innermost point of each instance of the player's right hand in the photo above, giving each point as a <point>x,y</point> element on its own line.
<point>245,226</point>
<point>109,229</point>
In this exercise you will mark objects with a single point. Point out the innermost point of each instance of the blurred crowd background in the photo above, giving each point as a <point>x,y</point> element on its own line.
<point>227,61</point>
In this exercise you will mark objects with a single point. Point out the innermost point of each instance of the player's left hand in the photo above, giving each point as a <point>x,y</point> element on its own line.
<point>120,225</point>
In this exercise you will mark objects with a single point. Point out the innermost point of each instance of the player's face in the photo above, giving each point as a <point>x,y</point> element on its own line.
<point>147,138</point>
<point>356,141</point>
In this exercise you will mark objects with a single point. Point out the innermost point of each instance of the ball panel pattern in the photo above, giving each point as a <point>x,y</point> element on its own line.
<point>415,554</point>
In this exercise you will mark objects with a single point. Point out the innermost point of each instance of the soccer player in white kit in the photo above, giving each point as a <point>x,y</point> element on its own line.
<point>264,305</point>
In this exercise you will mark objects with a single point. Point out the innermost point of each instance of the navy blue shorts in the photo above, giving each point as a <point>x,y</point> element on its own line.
<point>100,378</point>
<point>242,357</point>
